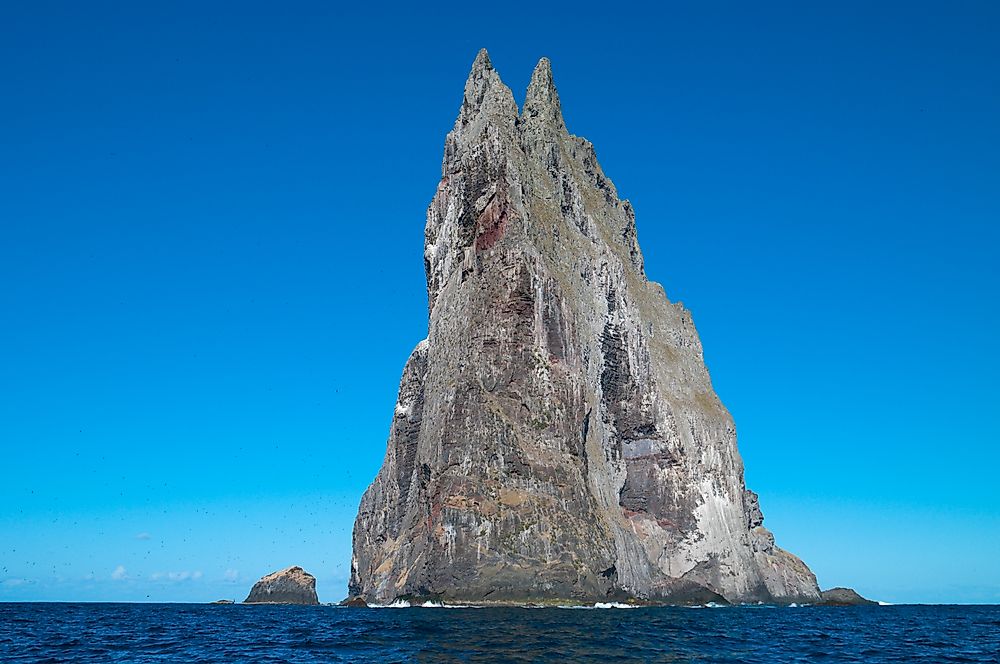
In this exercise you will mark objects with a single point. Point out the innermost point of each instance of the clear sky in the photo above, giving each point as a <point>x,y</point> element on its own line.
<point>211,236</point>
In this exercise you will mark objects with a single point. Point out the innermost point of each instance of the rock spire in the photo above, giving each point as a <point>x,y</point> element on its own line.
<point>556,435</point>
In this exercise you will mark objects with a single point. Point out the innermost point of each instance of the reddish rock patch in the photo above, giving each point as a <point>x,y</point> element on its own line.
<point>492,223</point>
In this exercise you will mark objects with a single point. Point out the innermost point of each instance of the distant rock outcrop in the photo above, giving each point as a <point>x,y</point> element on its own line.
<point>844,597</point>
<point>289,586</point>
<point>556,436</point>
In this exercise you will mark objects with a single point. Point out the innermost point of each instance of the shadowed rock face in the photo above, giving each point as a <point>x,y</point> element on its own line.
<point>556,436</point>
<point>289,586</point>
<point>845,597</point>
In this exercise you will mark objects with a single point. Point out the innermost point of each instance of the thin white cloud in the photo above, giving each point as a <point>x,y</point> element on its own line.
<point>13,583</point>
<point>143,536</point>
<point>231,575</point>
<point>119,573</point>
<point>176,577</point>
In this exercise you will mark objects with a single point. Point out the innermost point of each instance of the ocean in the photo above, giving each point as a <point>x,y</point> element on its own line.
<point>44,632</point>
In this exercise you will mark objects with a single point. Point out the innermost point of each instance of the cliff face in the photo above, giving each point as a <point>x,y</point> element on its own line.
<point>556,436</point>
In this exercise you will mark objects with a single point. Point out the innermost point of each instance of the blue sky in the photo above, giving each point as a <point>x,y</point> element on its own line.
<point>211,227</point>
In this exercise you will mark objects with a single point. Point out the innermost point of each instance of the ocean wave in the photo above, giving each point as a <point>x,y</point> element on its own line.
<point>395,604</point>
<point>709,605</point>
<point>442,605</point>
<point>406,604</point>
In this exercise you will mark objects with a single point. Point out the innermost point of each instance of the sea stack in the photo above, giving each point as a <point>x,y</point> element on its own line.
<point>293,585</point>
<point>556,435</point>
<point>844,597</point>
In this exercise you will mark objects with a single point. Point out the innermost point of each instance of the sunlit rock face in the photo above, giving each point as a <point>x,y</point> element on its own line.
<point>556,435</point>
<point>293,585</point>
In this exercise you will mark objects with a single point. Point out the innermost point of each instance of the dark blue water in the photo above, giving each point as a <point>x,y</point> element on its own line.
<point>206,633</point>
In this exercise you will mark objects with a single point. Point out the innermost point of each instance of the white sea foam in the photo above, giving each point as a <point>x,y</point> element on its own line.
<point>442,605</point>
<point>396,604</point>
<point>405,604</point>
<point>710,605</point>
<point>598,605</point>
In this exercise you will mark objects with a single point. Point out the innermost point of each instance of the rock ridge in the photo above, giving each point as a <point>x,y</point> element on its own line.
<point>556,434</point>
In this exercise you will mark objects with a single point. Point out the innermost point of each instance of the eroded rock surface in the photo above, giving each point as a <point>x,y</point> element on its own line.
<point>556,435</point>
<point>293,585</point>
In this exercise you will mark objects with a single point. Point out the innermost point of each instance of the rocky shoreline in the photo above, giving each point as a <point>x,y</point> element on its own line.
<point>832,597</point>
<point>293,585</point>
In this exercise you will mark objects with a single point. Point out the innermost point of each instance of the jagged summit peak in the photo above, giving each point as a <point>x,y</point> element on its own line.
<point>482,70</point>
<point>486,96</point>
<point>485,92</point>
<point>541,103</point>
<point>543,73</point>
<point>482,61</point>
